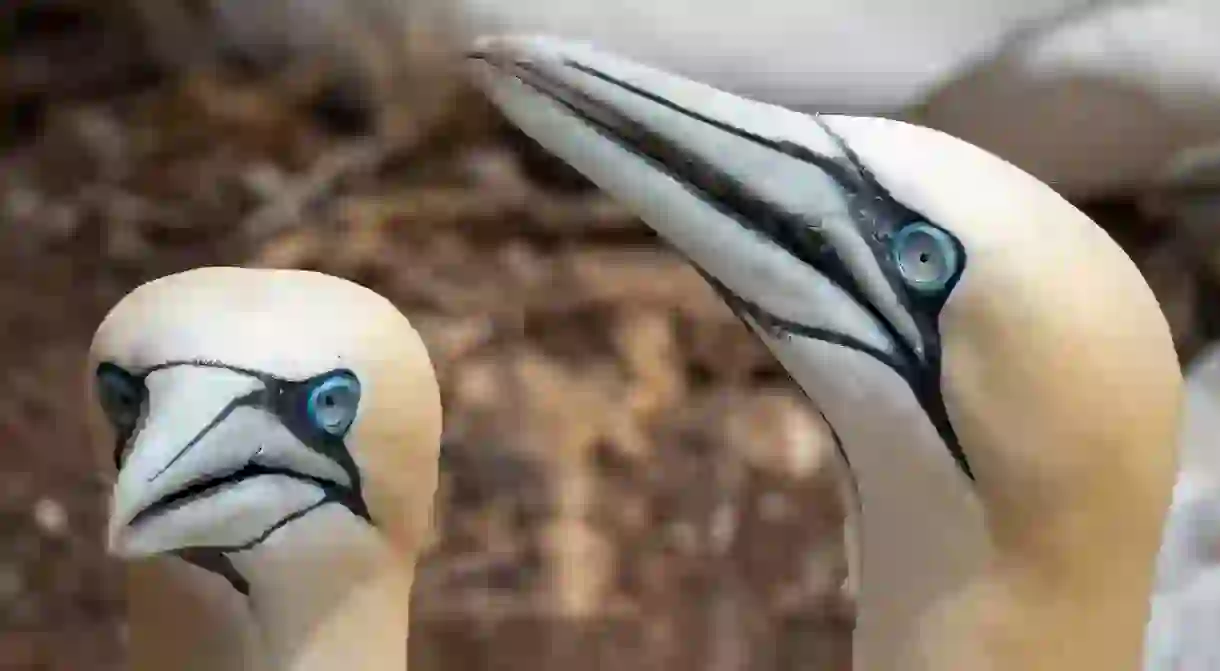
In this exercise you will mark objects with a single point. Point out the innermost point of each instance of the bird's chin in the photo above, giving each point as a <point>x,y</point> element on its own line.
<point>228,516</point>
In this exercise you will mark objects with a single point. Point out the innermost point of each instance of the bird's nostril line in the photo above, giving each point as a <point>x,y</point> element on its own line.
<point>228,410</point>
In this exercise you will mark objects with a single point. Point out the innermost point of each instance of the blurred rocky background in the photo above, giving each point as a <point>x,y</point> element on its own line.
<point>629,482</point>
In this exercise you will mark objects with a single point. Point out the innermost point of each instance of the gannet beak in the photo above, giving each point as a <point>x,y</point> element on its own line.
<point>210,468</point>
<point>771,206</point>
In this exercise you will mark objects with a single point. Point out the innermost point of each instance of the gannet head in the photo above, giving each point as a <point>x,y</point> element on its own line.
<point>235,402</point>
<point>972,338</point>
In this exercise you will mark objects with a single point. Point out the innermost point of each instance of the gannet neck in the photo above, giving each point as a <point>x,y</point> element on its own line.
<point>1075,457</point>
<point>943,581</point>
<point>181,617</point>
<point>1015,617</point>
<point>329,593</point>
<point>916,530</point>
<point>938,584</point>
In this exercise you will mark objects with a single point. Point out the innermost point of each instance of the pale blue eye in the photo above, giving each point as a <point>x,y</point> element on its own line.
<point>926,256</point>
<point>332,403</point>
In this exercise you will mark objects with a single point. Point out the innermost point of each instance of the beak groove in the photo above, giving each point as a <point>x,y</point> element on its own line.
<point>220,417</point>
<point>771,206</point>
<point>729,193</point>
<point>799,188</point>
<point>161,460</point>
<point>207,434</point>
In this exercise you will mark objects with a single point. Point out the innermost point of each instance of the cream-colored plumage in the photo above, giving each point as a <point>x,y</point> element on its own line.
<point>1018,333</point>
<point>220,354</point>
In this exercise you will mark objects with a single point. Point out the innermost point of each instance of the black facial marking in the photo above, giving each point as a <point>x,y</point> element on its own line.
<point>217,563</point>
<point>124,399</point>
<point>794,232</point>
<point>217,560</point>
<point>290,405</point>
<point>210,485</point>
<point>930,399</point>
<point>251,399</point>
<point>284,399</point>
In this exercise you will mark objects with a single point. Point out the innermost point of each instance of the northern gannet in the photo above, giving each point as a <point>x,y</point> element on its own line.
<point>276,437</point>
<point>1000,380</point>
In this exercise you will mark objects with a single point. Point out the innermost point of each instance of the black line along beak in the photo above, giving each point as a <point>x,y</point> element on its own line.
<point>773,207</point>
<point>230,441</point>
<point>783,177</point>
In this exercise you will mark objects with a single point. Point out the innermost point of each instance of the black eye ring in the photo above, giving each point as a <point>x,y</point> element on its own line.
<point>121,396</point>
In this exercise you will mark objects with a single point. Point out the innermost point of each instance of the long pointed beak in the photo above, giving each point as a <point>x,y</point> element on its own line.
<point>208,468</point>
<point>770,205</point>
<point>777,211</point>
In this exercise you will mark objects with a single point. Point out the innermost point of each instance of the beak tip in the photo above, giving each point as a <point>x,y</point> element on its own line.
<point>481,49</point>
<point>116,545</point>
<point>495,49</point>
<point>124,544</point>
<point>484,47</point>
<point>118,527</point>
<point>487,54</point>
<point>523,48</point>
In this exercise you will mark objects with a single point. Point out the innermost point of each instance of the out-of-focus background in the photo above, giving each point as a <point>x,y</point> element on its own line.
<point>629,481</point>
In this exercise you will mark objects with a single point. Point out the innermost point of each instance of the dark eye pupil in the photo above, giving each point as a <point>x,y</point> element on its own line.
<point>925,257</point>
<point>328,401</point>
